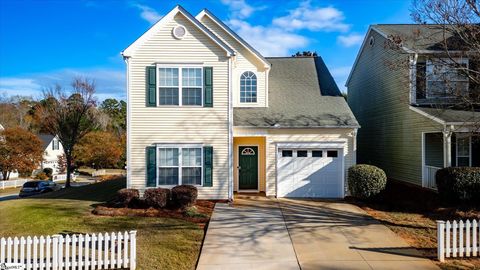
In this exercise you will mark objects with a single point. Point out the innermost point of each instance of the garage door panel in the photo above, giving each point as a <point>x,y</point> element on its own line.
<point>319,177</point>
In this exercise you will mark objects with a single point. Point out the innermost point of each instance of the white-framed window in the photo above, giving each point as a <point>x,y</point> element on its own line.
<point>180,164</point>
<point>55,144</point>
<point>248,87</point>
<point>464,151</point>
<point>444,80</point>
<point>180,85</point>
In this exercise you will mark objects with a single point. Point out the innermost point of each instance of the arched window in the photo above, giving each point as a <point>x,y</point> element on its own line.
<point>248,87</point>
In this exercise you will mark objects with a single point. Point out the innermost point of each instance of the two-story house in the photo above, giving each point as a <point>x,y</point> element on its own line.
<point>404,100</point>
<point>206,109</point>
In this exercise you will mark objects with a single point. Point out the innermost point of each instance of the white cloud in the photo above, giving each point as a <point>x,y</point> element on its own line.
<point>350,40</point>
<point>240,9</point>
<point>269,40</point>
<point>109,82</point>
<point>305,16</point>
<point>147,13</point>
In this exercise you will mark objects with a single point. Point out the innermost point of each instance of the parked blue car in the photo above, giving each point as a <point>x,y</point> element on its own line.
<point>37,187</point>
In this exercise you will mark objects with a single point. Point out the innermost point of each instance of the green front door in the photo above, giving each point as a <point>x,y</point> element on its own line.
<point>248,167</point>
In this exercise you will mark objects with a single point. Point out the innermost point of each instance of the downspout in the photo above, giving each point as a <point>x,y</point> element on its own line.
<point>128,167</point>
<point>230,132</point>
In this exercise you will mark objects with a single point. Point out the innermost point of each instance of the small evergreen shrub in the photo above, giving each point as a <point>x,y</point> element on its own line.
<point>365,181</point>
<point>48,172</point>
<point>126,196</point>
<point>157,197</point>
<point>184,196</point>
<point>456,184</point>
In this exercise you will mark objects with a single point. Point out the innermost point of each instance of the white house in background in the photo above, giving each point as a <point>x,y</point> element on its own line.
<point>205,108</point>
<point>52,148</point>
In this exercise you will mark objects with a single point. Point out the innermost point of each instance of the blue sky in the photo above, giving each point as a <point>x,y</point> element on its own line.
<point>44,42</point>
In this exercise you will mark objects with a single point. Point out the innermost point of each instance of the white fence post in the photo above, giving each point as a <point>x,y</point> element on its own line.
<point>441,240</point>
<point>133,250</point>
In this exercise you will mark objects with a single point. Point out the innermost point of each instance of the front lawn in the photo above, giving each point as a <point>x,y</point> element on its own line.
<point>162,243</point>
<point>412,214</point>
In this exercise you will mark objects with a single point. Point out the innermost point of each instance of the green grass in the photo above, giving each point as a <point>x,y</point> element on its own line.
<point>162,243</point>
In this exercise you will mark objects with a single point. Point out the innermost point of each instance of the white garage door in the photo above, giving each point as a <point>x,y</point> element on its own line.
<point>310,173</point>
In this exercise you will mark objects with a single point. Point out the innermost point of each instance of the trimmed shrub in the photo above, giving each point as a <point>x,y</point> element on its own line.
<point>184,196</point>
<point>48,172</point>
<point>157,197</point>
<point>125,196</point>
<point>365,181</point>
<point>41,176</point>
<point>456,184</point>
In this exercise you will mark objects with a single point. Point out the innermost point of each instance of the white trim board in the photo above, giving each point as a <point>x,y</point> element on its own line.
<point>130,50</point>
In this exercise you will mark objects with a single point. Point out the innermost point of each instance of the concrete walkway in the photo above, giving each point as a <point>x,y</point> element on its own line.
<point>260,233</point>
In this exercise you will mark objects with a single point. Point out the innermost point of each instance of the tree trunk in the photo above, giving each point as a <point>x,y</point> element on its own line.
<point>69,170</point>
<point>4,175</point>
<point>8,175</point>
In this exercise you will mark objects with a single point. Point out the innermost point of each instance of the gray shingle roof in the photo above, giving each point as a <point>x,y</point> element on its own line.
<point>420,36</point>
<point>46,139</point>
<point>302,93</point>
<point>452,116</point>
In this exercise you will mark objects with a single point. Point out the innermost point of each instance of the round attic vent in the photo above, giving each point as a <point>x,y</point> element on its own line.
<point>179,31</point>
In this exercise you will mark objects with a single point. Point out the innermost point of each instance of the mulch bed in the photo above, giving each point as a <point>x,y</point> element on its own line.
<point>203,207</point>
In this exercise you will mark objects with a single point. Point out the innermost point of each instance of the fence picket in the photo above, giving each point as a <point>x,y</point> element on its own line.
<point>35,252</point>
<point>448,228</point>
<point>81,251</point>
<point>467,239</point>
<point>474,237</point>
<point>99,253</point>
<point>29,252</point>
<point>67,251</point>
<point>106,261</point>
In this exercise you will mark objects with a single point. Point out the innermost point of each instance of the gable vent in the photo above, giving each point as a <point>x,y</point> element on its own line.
<point>179,31</point>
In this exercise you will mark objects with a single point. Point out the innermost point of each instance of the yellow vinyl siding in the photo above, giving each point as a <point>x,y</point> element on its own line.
<point>250,141</point>
<point>173,124</point>
<point>274,136</point>
<point>243,61</point>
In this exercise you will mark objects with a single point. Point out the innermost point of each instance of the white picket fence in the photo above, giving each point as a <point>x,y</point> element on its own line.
<point>12,183</point>
<point>78,251</point>
<point>458,239</point>
<point>63,177</point>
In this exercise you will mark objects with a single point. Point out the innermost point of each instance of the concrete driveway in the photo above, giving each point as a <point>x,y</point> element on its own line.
<point>261,233</point>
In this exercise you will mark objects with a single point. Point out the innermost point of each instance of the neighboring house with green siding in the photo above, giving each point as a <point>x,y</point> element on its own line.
<point>408,129</point>
<point>206,109</point>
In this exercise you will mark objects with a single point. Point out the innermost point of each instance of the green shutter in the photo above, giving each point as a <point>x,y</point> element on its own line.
<point>151,86</point>
<point>207,87</point>
<point>151,166</point>
<point>207,166</point>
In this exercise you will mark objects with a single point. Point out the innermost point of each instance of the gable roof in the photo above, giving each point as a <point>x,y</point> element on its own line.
<point>416,38</point>
<point>177,9</point>
<point>302,94</point>
<point>234,35</point>
<point>46,139</point>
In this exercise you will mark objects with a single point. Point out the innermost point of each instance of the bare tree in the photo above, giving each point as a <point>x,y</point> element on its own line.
<point>70,116</point>
<point>447,41</point>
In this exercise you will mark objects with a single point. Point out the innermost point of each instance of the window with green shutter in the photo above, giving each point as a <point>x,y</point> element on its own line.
<point>151,94</point>
<point>207,166</point>
<point>151,157</point>
<point>208,86</point>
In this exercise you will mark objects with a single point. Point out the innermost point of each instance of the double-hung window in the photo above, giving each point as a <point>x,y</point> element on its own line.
<point>446,78</point>
<point>180,164</point>
<point>180,86</point>
<point>55,144</point>
<point>464,151</point>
